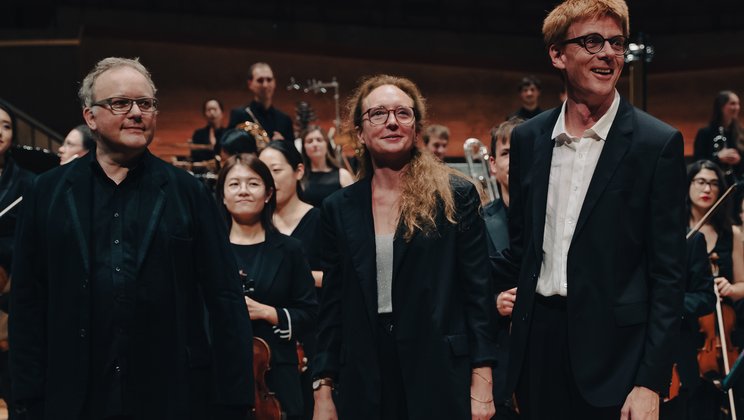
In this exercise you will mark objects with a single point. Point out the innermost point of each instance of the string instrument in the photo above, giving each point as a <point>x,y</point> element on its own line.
<point>267,406</point>
<point>674,385</point>
<point>301,358</point>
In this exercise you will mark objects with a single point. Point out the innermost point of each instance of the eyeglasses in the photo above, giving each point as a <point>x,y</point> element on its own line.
<point>594,43</point>
<point>124,105</point>
<point>379,115</point>
<point>702,182</point>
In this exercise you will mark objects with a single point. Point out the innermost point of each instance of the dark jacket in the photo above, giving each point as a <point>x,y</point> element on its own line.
<point>13,183</point>
<point>442,307</point>
<point>626,260</point>
<point>270,119</point>
<point>184,266</point>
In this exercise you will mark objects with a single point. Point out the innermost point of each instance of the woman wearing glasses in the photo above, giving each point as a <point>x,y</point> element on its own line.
<point>405,325</point>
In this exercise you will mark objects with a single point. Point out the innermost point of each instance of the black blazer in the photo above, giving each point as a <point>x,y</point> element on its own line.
<point>626,260</point>
<point>185,266</point>
<point>284,281</point>
<point>442,307</point>
<point>13,183</point>
<point>700,299</point>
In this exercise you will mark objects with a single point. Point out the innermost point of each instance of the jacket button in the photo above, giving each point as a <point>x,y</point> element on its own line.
<point>85,283</point>
<point>83,333</point>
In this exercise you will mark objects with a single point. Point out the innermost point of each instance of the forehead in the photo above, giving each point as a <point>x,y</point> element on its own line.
<point>315,134</point>
<point>212,104</point>
<point>262,72</point>
<point>733,98</point>
<point>272,156</point>
<point>438,140</point>
<point>706,174</point>
<point>387,95</point>
<point>74,136</point>
<point>241,171</point>
<point>4,116</point>
<point>122,81</point>
<point>607,26</point>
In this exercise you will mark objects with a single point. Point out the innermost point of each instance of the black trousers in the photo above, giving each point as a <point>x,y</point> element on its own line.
<point>393,402</point>
<point>547,389</point>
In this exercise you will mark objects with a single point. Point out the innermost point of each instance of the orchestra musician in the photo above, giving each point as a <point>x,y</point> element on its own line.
<point>436,139</point>
<point>722,140</point>
<point>261,110</point>
<point>322,174</point>
<point>707,183</point>
<point>119,257</point>
<point>406,321</point>
<point>280,295</point>
<point>14,181</point>
<point>211,134</point>
<point>597,235</point>
<point>78,142</point>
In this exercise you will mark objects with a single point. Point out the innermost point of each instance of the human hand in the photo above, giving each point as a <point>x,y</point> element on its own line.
<point>481,394</point>
<point>505,301</point>
<point>724,286</point>
<point>324,407</point>
<point>641,404</point>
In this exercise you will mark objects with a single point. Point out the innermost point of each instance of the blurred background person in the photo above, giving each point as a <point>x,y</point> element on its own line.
<point>208,137</point>
<point>78,142</point>
<point>529,95</point>
<point>280,296</point>
<point>436,137</point>
<point>322,175</point>
<point>722,140</point>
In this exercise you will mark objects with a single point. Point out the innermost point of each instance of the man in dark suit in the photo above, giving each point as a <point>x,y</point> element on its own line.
<point>596,224</point>
<point>277,124</point>
<point>118,256</point>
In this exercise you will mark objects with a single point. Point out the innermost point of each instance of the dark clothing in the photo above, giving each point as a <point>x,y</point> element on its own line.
<point>308,233</point>
<point>281,279</point>
<point>174,263</point>
<point>201,136</point>
<point>320,185</point>
<point>625,267</point>
<point>707,145</point>
<point>270,119</point>
<point>14,181</point>
<point>497,226</point>
<point>442,307</point>
<point>525,113</point>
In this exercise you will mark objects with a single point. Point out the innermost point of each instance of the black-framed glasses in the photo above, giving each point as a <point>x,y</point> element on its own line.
<point>119,105</point>
<point>702,182</point>
<point>594,43</point>
<point>379,115</point>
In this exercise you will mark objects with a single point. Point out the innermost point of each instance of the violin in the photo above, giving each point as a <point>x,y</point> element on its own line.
<point>716,355</point>
<point>267,405</point>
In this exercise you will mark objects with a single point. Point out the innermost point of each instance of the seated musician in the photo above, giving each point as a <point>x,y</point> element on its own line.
<point>280,290</point>
<point>209,135</point>
<point>706,184</point>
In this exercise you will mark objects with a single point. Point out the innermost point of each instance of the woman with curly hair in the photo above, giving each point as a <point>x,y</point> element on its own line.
<point>406,319</point>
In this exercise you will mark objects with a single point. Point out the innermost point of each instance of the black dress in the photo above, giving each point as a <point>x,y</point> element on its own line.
<point>320,185</point>
<point>277,274</point>
<point>708,143</point>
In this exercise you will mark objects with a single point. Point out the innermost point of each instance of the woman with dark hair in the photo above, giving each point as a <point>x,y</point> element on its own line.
<point>722,141</point>
<point>279,288</point>
<point>406,321</point>
<point>13,183</point>
<point>210,135</point>
<point>322,175</point>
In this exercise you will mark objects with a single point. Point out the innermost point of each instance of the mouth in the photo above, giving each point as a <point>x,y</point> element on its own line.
<point>603,71</point>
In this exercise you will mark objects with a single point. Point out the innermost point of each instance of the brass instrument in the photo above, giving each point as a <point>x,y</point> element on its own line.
<point>475,151</point>
<point>258,133</point>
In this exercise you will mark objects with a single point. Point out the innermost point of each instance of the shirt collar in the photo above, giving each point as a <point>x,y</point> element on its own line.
<point>598,131</point>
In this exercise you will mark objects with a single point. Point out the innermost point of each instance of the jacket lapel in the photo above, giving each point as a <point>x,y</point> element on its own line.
<point>152,201</point>
<point>77,198</point>
<point>360,232</point>
<point>268,263</point>
<point>616,145</point>
<point>543,155</point>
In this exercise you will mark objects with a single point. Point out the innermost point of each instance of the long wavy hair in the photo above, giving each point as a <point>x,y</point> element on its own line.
<point>721,220</point>
<point>734,128</point>
<point>425,182</point>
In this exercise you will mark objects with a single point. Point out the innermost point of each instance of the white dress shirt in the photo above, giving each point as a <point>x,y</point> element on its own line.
<point>571,171</point>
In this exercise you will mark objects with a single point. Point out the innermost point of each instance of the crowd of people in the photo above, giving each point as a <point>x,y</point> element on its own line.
<point>387,289</point>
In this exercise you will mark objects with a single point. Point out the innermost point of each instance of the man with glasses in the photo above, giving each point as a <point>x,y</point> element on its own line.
<point>597,225</point>
<point>119,254</point>
<point>261,110</point>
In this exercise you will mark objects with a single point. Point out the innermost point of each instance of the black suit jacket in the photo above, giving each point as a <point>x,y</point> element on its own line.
<point>185,266</point>
<point>270,119</point>
<point>442,307</point>
<point>13,183</point>
<point>626,260</point>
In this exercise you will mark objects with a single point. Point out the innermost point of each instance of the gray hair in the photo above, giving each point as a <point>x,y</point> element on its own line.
<point>86,88</point>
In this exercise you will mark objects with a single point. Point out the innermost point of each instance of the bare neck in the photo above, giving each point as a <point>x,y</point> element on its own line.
<point>247,233</point>
<point>582,115</point>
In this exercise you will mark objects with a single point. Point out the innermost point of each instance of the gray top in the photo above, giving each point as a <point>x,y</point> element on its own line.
<point>384,259</point>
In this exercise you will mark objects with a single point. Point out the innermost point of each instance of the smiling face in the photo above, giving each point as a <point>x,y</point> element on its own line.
<point>244,194</point>
<point>121,133</point>
<point>6,131</point>
<point>704,189</point>
<point>590,78</point>
<point>390,143</point>
<point>262,84</point>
